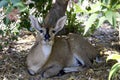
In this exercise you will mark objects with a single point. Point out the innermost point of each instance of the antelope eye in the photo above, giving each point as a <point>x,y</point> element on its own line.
<point>53,31</point>
<point>41,31</point>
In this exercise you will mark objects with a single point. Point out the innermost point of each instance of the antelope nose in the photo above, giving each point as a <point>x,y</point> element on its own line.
<point>47,36</point>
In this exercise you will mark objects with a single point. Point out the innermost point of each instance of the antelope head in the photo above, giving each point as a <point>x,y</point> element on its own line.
<point>46,34</point>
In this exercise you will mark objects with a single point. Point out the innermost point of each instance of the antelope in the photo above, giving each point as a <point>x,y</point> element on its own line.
<point>53,54</point>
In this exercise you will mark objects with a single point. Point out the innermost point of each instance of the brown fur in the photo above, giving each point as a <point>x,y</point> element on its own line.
<point>65,53</point>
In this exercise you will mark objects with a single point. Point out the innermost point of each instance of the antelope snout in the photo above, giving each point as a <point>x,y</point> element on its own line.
<point>47,37</point>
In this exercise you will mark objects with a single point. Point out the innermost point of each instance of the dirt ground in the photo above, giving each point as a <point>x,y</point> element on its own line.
<point>13,67</point>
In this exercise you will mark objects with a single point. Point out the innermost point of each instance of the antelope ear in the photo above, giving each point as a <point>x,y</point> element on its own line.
<point>60,23</point>
<point>34,22</point>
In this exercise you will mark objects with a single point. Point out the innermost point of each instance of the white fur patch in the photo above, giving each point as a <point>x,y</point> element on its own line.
<point>70,69</point>
<point>75,63</point>
<point>33,69</point>
<point>79,58</point>
<point>46,50</point>
<point>73,69</point>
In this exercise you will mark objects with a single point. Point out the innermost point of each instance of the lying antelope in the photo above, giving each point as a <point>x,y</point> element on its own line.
<point>51,54</point>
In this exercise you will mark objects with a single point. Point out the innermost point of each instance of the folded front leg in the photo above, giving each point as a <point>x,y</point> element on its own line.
<point>52,71</point>
<point>74,69</point>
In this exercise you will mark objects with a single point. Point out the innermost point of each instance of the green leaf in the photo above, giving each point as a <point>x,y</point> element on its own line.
<point>114,57</point>
<point>23,9</point>
<point>1,32</point>
<point>113,3</point>
<point>114,69</point>
<point>15,1</point>
<point>111,17</point>
<point>6,21</point>
<point>105,1</point>
<point>101,20</point>
<point>108,15</point>
<point>3,3</point>
<point>9,9</point>
<point>16,28</point>
<point>90,21</point>
<point>114,20</point>
<point>117,15</point>
<point>1,47</point>
<point>21,6</point>
<point>117,6</point>
<point>95,7</point>
<point>78,9</point>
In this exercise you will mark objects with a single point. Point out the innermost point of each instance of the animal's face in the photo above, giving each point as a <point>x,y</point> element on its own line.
<point>47,33</point>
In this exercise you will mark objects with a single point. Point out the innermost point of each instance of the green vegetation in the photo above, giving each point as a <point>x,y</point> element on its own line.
<point>115,68</point>
<point>14,18</point>
<point>98,12</point>
<point>10,22</point>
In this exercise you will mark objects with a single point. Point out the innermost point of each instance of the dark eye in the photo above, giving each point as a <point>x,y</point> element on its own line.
<point>53,31</point>
<point>41,31</point>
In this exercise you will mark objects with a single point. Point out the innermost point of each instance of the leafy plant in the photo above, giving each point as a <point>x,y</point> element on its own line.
<point>37,8</point>
<point>116,67</point>
<point>9,21</point>
<point>15,17</point>
<point>99,12</point>
<point>43,6</point>
<point>72,23</point>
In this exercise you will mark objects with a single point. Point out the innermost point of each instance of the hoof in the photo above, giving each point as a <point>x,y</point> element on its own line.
<point>31,72</point>
<point>44,75</point>
<point>61,73</point>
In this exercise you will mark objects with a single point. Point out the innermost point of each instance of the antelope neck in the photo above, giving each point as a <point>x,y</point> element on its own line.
<point>46,50</point>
